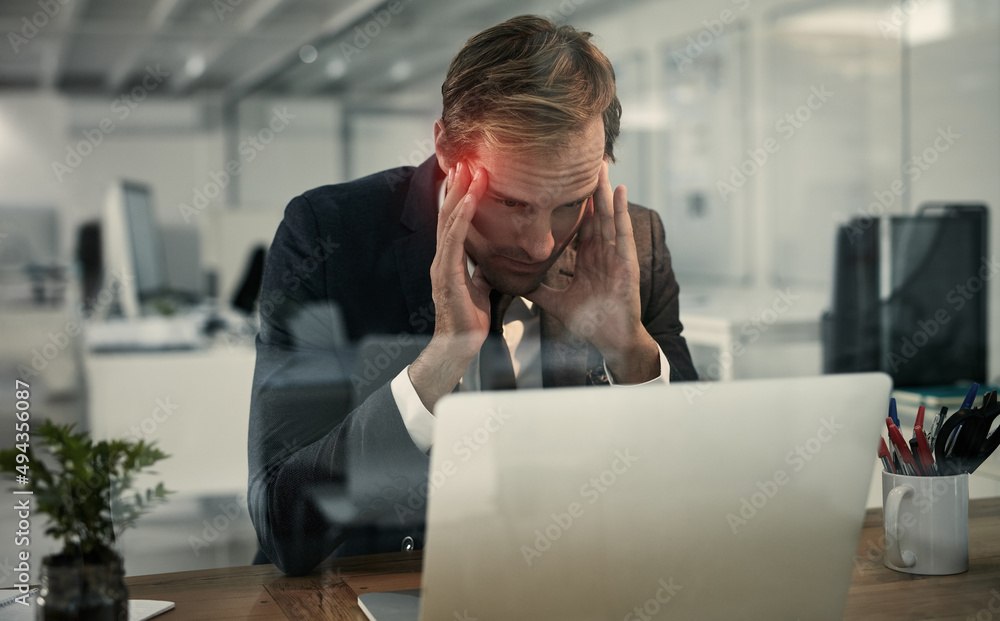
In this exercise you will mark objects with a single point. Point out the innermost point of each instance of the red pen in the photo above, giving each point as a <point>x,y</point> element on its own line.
<point>902,449</point>
<point>924,451</point>
<point>883,454</point>
<point>922,470</point>
<point>920,421</point>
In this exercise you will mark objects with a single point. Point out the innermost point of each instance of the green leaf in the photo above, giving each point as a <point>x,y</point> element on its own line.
<point>81,485</point>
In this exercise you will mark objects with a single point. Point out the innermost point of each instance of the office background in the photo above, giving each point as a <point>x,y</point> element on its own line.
<point>754,127</point>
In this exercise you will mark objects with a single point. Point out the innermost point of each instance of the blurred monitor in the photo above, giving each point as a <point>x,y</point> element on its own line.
<point>910,296</point>
<point>31,266</point>
<point>934,306</point>
<point>851,329</point>
<point>29,237</point>
<point>133,246</point>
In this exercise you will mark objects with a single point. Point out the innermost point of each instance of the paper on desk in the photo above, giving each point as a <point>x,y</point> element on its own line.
<point>138,609</point>
<point>142,609</point>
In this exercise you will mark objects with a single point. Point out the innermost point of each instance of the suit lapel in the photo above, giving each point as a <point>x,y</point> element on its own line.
<point>415,252</point>
<point>414,255</point>
<point>564,355</point>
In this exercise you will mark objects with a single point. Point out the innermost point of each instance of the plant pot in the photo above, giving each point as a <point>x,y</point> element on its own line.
<point>78,589</point>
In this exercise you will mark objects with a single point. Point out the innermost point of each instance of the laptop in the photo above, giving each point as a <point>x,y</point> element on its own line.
<point>741,499</point>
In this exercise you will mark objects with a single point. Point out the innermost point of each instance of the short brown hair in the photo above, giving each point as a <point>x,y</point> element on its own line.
<point>527,83</point>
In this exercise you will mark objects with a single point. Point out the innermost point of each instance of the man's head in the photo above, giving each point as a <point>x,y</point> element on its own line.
<point>534,106</point>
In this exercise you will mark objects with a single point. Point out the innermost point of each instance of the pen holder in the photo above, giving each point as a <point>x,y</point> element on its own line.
<point>926,523</point>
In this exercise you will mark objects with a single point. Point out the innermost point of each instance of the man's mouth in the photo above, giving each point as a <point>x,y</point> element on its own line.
<point>520,266</point>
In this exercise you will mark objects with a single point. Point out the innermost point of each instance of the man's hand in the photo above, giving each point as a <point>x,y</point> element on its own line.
<point>602,302</point>
<point>461,301</point>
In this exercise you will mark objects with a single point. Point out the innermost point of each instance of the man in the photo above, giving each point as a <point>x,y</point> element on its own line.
<point>508,247</point>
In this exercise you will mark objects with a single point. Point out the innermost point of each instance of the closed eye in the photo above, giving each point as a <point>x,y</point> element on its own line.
<point>572,207</point>
<point>511,203</point>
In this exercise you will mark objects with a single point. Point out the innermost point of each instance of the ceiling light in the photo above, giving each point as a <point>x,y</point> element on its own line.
<point>308,54</point>
<point>929,21</point>
<point>195,66</point>
<point>401,70</point>
<point>852,20</point>
<point>336,68</point>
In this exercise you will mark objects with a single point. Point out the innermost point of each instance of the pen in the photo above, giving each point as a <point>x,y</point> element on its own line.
<point>894,455</point>
<point>950,443</point>
<point>970,398</point>
<point>892,412</point>
<point>883,454</point>
<point>10,601</point>
<point>920,421</point>
<point>924,452</point>
<point>922,468</point>
<point>902,449</point>
<point>936,426</point>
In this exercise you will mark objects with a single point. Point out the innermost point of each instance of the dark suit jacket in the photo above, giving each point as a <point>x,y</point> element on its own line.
<point>353,260</point>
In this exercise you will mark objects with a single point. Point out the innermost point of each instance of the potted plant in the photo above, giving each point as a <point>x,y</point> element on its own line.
<point>86,491</point>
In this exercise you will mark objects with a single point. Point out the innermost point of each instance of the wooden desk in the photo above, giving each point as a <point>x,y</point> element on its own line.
<point>331,592</point>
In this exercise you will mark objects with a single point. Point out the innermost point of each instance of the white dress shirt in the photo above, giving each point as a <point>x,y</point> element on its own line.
<point>522,333</point>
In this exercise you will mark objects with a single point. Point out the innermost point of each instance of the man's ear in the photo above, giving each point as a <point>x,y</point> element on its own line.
<point>439,147</point>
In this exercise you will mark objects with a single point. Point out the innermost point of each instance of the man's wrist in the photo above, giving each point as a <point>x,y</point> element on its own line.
<point>634,364</point>
<point>439,367</point>
<point>417,419</point>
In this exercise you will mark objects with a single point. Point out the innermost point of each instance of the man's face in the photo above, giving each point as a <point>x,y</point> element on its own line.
<point>531,209</point>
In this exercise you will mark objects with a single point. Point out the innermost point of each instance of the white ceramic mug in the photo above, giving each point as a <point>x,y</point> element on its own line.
<point>926,523</point>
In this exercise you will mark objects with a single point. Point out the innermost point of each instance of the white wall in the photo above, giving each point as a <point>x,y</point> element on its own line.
<point>381,140</point>
<point>180,148</point>
<point>306,153</point>
<point>951,88</point>
<point>54,152</point>
<point>32,134</point>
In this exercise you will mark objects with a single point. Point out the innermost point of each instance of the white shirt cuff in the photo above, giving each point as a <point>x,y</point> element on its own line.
<point>418,421</point>
<point>664,377</point>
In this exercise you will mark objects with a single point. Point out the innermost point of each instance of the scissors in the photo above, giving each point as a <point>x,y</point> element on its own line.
<point>964,441</point>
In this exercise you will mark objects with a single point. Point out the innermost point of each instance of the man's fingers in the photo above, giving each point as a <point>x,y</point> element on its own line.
<point>451,241</point>
<point>587,225</point>
<point>455,188</point>
<point>604,222</point>
<point>479,282</point>
<point>457,185</point>
<point>625,241</point>
<point>545,296</point>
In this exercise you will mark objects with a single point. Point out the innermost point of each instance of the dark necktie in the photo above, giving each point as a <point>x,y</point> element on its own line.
<point>496,372</point>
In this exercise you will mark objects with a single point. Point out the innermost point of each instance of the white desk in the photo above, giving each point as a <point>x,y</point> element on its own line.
<point>194,404</point>
<point>742,333</point>
<point>45,340</point>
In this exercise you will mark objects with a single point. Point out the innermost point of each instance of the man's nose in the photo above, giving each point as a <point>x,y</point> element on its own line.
<point>535,238</point>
